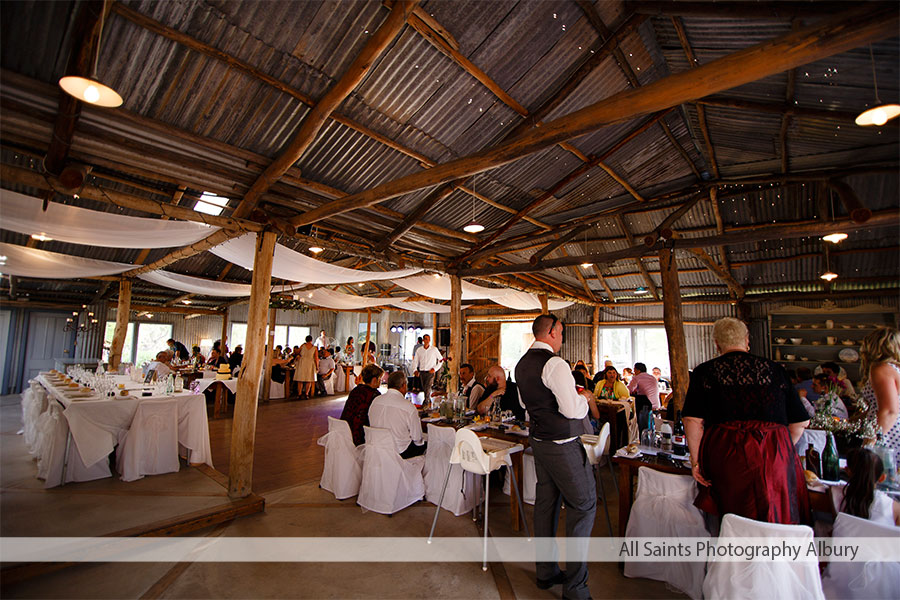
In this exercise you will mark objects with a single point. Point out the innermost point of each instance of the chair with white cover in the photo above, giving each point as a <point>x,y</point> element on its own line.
<point>663,507</point>
<point>59,461</point>
<point>481,456</point>
<point>868,579</point>
<point>464,488</point>
<point>343,460</point>
<point>529,478</point>
<point>150,446</point>
<point>764,580</point>
<point>595,446</point>
<point>389,483</point>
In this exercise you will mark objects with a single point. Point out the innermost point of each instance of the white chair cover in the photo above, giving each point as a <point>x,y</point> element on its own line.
<point>343,460</point>
<point>862,580</point>
<point>463,488</point>
<point>340,380</point>
<point>529,478</point>
<point>329,384</point>
<point>758,580</point>
<point>32,400</point>
<point>150,446</point>
<point>389,483</point>
<point>53,432</point>
<point>663,507</point>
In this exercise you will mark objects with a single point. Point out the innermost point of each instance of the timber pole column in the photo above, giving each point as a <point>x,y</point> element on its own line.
<point>123,310</point>
<point>674,324</point>
<point>455,334</point>
<point>243,433</point>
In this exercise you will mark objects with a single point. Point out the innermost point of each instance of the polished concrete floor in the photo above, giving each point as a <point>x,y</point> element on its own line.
<point>301,510</point>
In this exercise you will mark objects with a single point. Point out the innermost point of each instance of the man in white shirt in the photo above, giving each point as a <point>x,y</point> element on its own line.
<point>324,371</point>
<point>469,388</point>
<point>425,361</point>
<point>391,410</point>
<point>162,365</point>
<point>321,341</point>
<point>564,475</point>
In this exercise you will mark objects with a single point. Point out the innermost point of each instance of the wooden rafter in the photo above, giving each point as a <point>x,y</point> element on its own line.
<point>584,283</point>
<point>418,213</point>
<point>664,230</point>
<point>651,285</point>
<point>602,279</point>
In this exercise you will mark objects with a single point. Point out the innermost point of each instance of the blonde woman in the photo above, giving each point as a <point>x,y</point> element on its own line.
<point>880,369</point>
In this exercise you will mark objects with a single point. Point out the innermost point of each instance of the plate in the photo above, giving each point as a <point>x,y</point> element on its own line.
<point>848,355</point>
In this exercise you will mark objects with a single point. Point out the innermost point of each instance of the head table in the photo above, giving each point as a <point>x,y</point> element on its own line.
<point>95,425</point>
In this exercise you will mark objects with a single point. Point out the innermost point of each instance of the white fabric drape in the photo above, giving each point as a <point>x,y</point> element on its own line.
<point>439,288</point>
<point>75,225</point>
<point>338,300</point>
<point>196,285</point>
<point>31,262</point>
<point>423,307</point>
<point>294,266</point>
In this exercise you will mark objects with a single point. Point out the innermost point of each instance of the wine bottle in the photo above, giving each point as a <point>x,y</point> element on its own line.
<point>830,468</point>
<point>666,431</point>
<point>812,461</point>
<point>679,441</point>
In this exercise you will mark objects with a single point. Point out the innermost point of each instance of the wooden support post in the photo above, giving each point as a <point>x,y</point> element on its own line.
<point>224,337</point>
<point>595,347</point>
<point>270,354</point>
<point>243,433</point>
<point>122,313</point>
<point>674,324</point>
<point>543,299</point>
<point>365,354</point>
<point>455,333</point>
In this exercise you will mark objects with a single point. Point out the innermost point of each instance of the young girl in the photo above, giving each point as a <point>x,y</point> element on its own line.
<point>861,499</point>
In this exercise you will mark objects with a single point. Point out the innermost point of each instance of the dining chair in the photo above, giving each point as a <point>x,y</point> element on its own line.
<point>763,580</point>
<point>596,446</point>
<point>463,489</point>
<point>529,478</point>
<point>150,446</point>
<point>860,579</point>
<point>389,483</point>
<point>664,507</point>
<point>470,454</point>
<point>343,460</point>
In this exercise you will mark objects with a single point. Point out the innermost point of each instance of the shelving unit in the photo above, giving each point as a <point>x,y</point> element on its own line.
<point>814,327</point>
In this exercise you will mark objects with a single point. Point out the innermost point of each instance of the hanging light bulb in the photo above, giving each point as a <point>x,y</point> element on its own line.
<point>89,89</point>
<point>587,265</point>
<point>835,238</point>
<point>879,114</point>
<point>315,249</point>
<point>473,226</point>
<point>41,237</point>
<point>829,276</point>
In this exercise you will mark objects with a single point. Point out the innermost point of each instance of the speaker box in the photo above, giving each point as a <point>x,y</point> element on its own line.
<point>443,337</point>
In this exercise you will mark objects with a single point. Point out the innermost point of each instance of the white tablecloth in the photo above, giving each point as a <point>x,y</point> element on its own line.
<point>231,384</point>
<point>98,424</point>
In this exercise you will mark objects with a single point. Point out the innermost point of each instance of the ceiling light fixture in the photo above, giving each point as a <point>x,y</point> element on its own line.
<point>41,237</point>
<point>185,301</point>
<point>835,238</point>
<point>829,276</point>
<point>473,226</point>
<point>586,264</point>
<point>880,113</point>
<point>89,89</point>
<point>315,249</point>
<point>640,290</point>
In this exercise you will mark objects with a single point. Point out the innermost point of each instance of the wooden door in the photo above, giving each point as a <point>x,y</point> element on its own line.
<point>46,342</point>
<point>483,347</point>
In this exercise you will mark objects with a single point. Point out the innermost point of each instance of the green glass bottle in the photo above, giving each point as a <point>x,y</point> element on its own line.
<point>831,470</point>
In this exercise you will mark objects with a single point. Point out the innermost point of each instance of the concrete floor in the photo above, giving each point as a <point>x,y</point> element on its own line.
<point>95,508</point>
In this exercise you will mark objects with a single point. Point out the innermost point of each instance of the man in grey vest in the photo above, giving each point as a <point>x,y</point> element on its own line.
<point>564,474</point>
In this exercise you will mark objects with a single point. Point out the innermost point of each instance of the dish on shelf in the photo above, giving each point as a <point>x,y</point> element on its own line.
<point>789,357</point>
<point>815,326</point>
<point>845,326</point>
<point>848,342</point>
<point>817,343</point>
<point>860,326</point>
<point>797,326</point>
<point>780,340</point>
<point>848,355</point>
<point>804,358</point>
<point>796,341</point>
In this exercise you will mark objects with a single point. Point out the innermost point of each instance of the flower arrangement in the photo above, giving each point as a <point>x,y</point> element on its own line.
<point>859,426</point>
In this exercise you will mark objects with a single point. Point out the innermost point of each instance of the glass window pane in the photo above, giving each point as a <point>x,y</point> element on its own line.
<point>615,345</point>
<point>151,338</point>
<point>515,339</point>
<point>361,336</point>
<point>651,347</point>
<point>297,335</point>
<point>281,332</point>
<point>238,335</point>
<point>127,349</point>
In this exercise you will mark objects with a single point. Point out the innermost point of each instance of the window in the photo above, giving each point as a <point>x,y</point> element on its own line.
<point>211,204</point>
<point>140,348</point>
<point>409,339</point>
<point>361,336</point>
<point>515,339</point>
<point>297,335</point>
<point>625,346</point>
<point>127,350</point>
<point>238,335</point>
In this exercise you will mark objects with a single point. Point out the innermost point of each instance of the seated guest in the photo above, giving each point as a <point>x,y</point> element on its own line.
<point>627,375</point>
<point>196,357</point>
<point>742,418</point>
<point>645,390</point>
<point>236,358</point>
<point>610,387</point>
<point>278,372</point>
<point>162,366</point>
<point>826,387</point>
<point>324,370</point>
<point>469,388</point>
<point>498,387</point>
<point>859,497</point>
<point>215,359</point>
<point>356,409</point>
<point>662,383</point>
<point>592,424</point>
<point>393,411</point>
<point>804,384</point>
<point>845,387</point>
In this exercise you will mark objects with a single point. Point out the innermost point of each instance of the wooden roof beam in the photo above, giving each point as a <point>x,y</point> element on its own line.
<point>602,279</point>
<point>664,230</point>
<point>651,285</point>
<point>736,9</point>
<point>777,109</point>
<point>418,213</point>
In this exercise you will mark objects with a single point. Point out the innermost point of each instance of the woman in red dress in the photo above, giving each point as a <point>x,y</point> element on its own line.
<point>742,418</point>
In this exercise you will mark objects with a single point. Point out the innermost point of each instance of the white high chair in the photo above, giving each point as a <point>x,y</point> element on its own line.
<point>481,456</point>
<point>464,487</point>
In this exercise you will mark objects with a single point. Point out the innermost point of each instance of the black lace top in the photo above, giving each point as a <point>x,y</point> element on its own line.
<point>738,386</point>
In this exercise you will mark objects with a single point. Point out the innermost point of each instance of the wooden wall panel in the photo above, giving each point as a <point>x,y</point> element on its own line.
<point>483,347</point>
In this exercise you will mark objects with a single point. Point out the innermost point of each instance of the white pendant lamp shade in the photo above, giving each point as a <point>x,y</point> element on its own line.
<point>835,238</point>
<point>878,115</point>
<point>473,227</point>
<point>829,276</point>
<point>315,249</point>
<point>90,91</point>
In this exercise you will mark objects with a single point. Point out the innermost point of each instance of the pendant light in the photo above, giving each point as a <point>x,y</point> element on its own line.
<point>315,248</point>
<point>473,226</point>
<point>828,275</point>
<point>880,113</point>
<point>89,89</point>
<point>586,264</point>
<point>837,237</point>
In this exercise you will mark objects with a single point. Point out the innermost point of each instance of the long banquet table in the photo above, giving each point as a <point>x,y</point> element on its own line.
<point>97,425</point>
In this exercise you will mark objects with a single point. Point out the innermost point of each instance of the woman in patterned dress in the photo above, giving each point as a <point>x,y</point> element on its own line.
<point>880,369</point>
